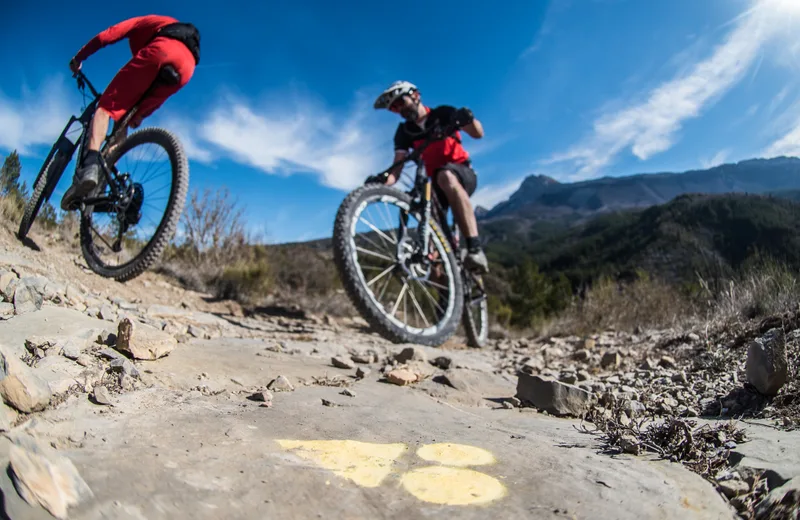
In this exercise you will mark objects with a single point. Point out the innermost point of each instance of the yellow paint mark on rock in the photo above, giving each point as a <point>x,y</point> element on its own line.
<point>452,486</point>
<point>366,464</point>
<point>455,454</point>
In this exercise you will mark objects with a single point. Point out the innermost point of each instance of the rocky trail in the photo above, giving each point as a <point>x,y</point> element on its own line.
<point>145,401</point>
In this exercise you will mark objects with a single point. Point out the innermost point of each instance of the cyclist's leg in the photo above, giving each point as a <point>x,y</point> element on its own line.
<point>122,93</point>
<point>458,182</point>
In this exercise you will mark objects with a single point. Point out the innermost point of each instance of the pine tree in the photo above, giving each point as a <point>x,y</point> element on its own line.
<point>9,175</point>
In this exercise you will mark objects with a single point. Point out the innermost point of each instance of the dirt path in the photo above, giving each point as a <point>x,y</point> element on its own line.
<point>186,436</point>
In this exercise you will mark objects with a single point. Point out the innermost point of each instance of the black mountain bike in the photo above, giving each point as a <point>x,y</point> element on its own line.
<point>119,237</point>
<point>401,265</point>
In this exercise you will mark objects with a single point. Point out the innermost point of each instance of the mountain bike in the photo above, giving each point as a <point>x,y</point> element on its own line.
<point>113,221</point>
<point>408,280</point>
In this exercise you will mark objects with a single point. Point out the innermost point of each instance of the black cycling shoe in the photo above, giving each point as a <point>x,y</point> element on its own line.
<point>84,181</point>
<point>476,261</point>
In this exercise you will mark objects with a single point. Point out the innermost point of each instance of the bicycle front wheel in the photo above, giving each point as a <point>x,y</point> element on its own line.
<point>123,239</point>
<point>407,295</point>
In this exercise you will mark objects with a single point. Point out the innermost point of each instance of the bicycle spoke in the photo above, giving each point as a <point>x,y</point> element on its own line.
<point>397,302</point>
<point>378,231</point>
<point>431,298</point>
<point>367,239</point>
<point>384,273</point>
<point>419,309</point>
<point>368,252</point>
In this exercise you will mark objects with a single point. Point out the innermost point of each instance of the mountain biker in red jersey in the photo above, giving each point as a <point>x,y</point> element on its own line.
<point>446,160</point>
<point>155,42</point>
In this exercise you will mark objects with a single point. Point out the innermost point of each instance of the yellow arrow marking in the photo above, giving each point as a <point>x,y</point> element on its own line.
<point>452,486</point>
<point>455,454</point>
<point>364,463</point>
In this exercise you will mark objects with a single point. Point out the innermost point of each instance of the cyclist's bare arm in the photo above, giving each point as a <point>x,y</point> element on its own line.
<point>474,129</point>
<point>394,173</point>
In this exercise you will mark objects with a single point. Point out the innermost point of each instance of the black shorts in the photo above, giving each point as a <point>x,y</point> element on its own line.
<point>466,176</point>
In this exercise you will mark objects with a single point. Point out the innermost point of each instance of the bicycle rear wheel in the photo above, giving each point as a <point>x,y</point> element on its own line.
<point>120,247</point>
<point>405,297</point>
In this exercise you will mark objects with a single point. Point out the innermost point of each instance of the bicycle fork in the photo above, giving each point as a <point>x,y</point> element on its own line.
<point>424,226</point>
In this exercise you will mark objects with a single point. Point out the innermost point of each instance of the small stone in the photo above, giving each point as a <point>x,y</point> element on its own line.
<point>84,360</point>
<point>101,395</point>
<point>6,310</point>
<point>364,359</point>
<point>568,378</point>
<point>508,405</point>
<point>733,487</point>
<point>583,375</point>
<point>693,337</point>
<point>629,444</point>
<point>589,343</point>
<point>552,396</point>
<point>348,392</point>
<point>667,362</point>
<point>442,362</point>
<point>361,373</point>
<point>553,352</point>
<point>43,477</point>
<point>610,360</point>
<point>108,313</point>
<point>514,402</point>
<point>411,354</point>
<point>125,367</point>
<point>195,332</point>
<point>340,362</point>
<point>634,408</point>
<point>767,365</point>
<point>262,397</point>
<point>26,299</point>
<point>21,387</point>
<point>533,366</point>
<point>649,365</point>
<point>325,402</point>
<point>280,384</point>
<point>613,380</point>
<point>71,349</point>
<point>582,355</point>
<point>680,377</point>
<point>107,353</point>
<point>401,377</point>
<point>8,282</point>
<point>143,341</point>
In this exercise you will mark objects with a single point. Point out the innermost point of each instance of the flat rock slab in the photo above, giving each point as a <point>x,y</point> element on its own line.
<point>49,321</point>
<point>391,453</point>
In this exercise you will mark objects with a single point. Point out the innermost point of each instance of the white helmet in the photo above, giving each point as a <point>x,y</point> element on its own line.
<point>395,90</point>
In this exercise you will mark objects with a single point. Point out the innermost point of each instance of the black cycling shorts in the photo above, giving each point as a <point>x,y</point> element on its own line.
<point>466,176</point>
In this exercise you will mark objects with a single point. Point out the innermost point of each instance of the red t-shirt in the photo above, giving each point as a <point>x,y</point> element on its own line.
<point>139,31</point>
<point>410,135</point>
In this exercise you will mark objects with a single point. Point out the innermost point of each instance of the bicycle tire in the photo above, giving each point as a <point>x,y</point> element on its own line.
<point>477,333</point>
<point>166,229</point>
<point>349,272</point>
<point>47,178</point>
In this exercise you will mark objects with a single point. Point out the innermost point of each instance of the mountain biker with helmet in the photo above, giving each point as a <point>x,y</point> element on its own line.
<point>156,42</point>
<point>445,160</point>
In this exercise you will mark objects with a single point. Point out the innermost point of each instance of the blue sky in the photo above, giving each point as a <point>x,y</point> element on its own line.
<point>280,108</point>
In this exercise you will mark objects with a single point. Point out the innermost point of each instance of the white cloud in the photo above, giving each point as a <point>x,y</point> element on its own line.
<point>305,139</point>
<point>719,158</point>
<point>493,194</point>
<point>36,118</point>
<point>788,145</point>
<point>651,126</point>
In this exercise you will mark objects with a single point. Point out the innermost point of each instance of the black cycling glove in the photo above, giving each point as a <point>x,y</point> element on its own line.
<point>464,117</point>
<point>380,178</point>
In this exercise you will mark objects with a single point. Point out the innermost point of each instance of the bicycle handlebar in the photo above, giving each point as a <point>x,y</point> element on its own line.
<point>83,81</point>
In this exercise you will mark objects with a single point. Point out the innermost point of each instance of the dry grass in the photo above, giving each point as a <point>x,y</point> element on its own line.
<point>646,302</point>
<point>11,210</point>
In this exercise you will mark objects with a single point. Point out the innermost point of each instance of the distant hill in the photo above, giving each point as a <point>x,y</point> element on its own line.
<point>540,197</point>
<point>714,235</point>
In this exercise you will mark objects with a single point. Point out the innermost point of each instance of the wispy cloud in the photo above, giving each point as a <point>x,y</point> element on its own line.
<point>493,194</point>
<point>36,117</point>
<point>651,126</point>
<point>719,158</point>
<point>284,140</point>
<point>788,144</point>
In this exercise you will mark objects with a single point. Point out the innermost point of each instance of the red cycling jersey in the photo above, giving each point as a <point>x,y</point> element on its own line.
<point>410,135</point>
<point>139,31</point>
<point>149,56</point>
